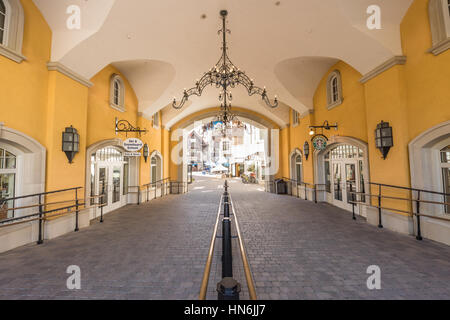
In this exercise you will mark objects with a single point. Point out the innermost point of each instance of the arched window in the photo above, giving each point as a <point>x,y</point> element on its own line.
<point>3,24</point>
<point>11,29</point>
<point>117,93</point>
<point>7,182</point>
<point>334,89</point>
<point>297,166</point>
<point>155,167</point>
<point>439,14</point>
<point>445,166</point>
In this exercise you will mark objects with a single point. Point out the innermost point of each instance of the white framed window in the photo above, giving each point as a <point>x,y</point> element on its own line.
<point>11,29</point>
<point>3,23</point>
<point>334,90</point>
<point>445,168</point>
<point>295,118</point>
<point>8,175</point>
<point>156,120</point>
<point>156,169</point>
<point>439,13</point>
<point>117,93</point>
<point>296,166</point>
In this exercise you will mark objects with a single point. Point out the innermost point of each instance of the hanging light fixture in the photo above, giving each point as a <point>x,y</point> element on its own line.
<point>225,75</point>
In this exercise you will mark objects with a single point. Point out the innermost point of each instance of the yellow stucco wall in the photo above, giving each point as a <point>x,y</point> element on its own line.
<point>23,101</point>
<point>412,98</point>
<point>427,75</point>
<point>101,116</point>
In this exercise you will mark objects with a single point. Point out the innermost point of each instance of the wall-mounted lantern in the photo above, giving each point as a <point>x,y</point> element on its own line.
<point>70,143</point>
<point>383,138</point>
<point>306,150</point>
<point>145,152</point>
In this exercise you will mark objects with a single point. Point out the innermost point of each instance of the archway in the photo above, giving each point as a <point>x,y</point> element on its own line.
<point>343,168</point>
<point>156,167</point>
<point>22,168</point>
<point>429,158</point>
<point>269,132</point>
<point>296,165</point>
<point>110,174</point>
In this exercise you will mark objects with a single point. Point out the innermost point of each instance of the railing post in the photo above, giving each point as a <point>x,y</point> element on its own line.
<point>227,262</point>
<point>315,193</point>
<point>306,197</point>
<point>139,195</point>
<point>148,193</point>
<point>419,233</point>
<point>40,238</point>
<point>76,212</point>
<point>101,209</point>
<point>380,225</point>
<point>353,201</point>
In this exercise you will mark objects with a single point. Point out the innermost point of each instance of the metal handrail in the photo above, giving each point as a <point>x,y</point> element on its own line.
<point>206,273</point>
<point>40,194</point>
<point>408,188</point>
<point>247,270</point>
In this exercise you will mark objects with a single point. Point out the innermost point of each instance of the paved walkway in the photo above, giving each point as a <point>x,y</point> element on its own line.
<point>297,250</point>
<point>301,250</point>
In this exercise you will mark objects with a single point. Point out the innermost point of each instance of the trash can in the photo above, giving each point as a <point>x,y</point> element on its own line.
<point>280,186</point>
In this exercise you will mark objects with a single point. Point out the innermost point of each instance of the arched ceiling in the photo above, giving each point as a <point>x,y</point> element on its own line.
<point>162,47</point>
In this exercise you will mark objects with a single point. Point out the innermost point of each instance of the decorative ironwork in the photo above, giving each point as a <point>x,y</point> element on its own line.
<point>325,126</point>
<point>225,75</point>
<point>123,126</point>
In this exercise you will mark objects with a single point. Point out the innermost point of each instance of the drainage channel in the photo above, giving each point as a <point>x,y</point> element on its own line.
<point>217,267</point>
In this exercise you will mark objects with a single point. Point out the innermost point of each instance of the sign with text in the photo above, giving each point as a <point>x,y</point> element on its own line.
<point>132,154</point>
<point>133,144</point>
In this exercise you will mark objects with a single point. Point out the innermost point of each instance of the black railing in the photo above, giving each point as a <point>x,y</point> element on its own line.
<point>43,213</point>
<point>362,198</point>
<point>228,288</point>
<point>415,200</point>
<point>165,186</point>
<point>272,187</point>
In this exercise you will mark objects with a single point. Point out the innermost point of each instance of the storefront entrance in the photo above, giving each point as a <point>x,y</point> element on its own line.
<point>344,172</point>
<point>109,178</point>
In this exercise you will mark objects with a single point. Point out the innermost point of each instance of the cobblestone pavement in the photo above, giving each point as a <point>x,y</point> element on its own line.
<point>152,251</point>
<point>301,250</point>
<point>297,250</point>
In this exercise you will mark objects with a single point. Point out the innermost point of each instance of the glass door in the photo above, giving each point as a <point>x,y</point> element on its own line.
<point>102,185</point>
<point>337,181</point>
<point>116,184</point>
<point>350,182</point>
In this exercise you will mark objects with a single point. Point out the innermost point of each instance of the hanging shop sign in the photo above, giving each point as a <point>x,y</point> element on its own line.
<point>132,154</point>
<point>319,142</point>
<point>133,145</point>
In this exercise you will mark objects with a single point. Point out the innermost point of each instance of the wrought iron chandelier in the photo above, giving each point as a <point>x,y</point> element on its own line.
<point>225,75</point>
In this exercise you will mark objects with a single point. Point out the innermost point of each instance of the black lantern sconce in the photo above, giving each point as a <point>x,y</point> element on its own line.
<point>383,138</point>
<point>145,152</point>
<point>70,143</point>
<point>306,150</point>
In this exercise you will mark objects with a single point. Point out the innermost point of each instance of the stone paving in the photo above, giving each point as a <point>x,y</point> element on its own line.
<point>296,249</point>
<point>301,250</point>
<point>153,251</point>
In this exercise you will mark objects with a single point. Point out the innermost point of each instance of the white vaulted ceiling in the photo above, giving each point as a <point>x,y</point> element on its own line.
<point>162,47</point>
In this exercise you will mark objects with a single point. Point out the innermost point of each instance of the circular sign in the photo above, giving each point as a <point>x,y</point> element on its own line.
<point>133,144</point>
<point>319,142</point>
